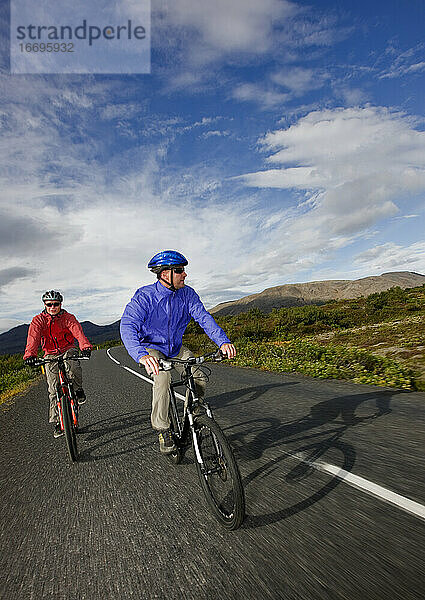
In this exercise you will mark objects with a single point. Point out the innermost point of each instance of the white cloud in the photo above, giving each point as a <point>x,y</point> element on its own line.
<point>126,110</point>
<point>215,133</point>
<point>300,79</point>
<point>407,62</point>
<point>203,38</point>
<point>394,257</point>
<point>259,94</point>
<point>99,271</point>
<point>356,166</point>
<point>219,27</point>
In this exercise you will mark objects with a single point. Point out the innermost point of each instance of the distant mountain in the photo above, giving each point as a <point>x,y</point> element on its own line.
<point>14,340</point>
<point>318,292</point>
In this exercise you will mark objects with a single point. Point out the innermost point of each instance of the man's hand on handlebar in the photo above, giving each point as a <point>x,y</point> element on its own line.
<point>86,353</point>
<point>228,350</point>
<point>150,363</point>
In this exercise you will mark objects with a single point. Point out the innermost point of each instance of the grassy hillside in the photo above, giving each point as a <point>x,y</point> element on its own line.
<point>378,339</point>
<point>15,377</point>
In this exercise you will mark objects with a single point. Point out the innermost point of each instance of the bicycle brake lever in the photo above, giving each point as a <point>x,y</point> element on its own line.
<point>165,365</point>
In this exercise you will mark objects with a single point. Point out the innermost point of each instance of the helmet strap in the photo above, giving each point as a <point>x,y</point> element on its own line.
<point>170,285</point>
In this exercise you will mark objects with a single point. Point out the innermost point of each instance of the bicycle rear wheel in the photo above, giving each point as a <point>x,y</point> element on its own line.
<point>69,428</point>
<point>219,473</point>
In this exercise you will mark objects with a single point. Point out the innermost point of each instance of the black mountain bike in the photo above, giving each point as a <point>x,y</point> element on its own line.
<point>67,403</point>
<point>193,424</point>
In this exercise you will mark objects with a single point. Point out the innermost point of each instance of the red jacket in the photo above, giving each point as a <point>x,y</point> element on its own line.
<point>56,334</point>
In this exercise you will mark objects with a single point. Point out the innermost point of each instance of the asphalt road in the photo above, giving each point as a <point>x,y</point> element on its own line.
<point>126,523</point>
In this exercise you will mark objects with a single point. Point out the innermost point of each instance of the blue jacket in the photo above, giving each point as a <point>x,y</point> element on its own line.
<point>157,318</point>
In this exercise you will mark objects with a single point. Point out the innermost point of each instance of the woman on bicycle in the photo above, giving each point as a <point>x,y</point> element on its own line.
<point>152,327</point>
<point>55,329</point>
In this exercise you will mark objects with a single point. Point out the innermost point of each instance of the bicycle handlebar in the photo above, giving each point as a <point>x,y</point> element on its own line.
<point>43,361</point>
<point>167,363</point>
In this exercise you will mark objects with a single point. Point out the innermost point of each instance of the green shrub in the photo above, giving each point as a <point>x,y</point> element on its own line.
<point>335,362</point>
<point>14,373</point>
<point>108,344</point>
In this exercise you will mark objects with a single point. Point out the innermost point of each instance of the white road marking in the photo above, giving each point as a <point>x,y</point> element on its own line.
<point>410,506</point>
<point>112,358</point>
<point>373,489</point>
<point>138,374</point>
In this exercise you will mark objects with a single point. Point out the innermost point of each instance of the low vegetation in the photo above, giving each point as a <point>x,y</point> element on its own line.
<point>377,340</point>
<point>14,375</point>
<point>108,344</point>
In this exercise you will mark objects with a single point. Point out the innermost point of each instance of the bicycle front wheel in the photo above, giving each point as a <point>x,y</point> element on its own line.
<point>177,455</point>
<point>69,428</point>
<point>219,473</point>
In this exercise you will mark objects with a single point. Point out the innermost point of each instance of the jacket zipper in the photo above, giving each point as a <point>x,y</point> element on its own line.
<point>168,327</point>
<point>51,335</point>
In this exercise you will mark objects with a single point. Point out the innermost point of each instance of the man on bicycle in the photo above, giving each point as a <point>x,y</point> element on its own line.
<point>152,327</point>
<point>55,329</point>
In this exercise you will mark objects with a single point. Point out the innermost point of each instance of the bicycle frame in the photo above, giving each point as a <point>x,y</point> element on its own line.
<point>186,422</point>
<point>65,389</point>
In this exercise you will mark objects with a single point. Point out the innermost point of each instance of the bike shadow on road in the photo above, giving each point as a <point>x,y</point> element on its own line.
<point>308,456</point>
<point>252,438</point>
<point>123,431</point>
<point>307,439</point>
<point>245,395</point>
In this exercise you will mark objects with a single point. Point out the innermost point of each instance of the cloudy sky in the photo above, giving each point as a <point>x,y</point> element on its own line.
<point>273,142</point>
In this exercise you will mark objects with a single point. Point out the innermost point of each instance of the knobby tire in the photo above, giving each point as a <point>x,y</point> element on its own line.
<point>219,474</point>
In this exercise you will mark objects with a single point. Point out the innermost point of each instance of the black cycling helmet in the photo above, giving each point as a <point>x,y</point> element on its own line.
<point>167,259</point>
<point>52,295</point>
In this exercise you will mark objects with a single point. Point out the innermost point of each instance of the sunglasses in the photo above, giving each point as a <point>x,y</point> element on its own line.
<point>179,270</point>
<point>49,304</point>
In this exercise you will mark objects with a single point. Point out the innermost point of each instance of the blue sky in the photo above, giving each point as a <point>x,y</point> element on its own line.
<point>273,142</point>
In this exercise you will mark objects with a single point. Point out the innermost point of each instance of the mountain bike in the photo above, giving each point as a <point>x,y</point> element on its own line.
<point>67,402</point>
<point>193,424</point>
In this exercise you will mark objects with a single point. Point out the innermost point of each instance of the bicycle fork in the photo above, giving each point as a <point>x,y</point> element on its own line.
<point>61,393</point>
<point>196,445</point>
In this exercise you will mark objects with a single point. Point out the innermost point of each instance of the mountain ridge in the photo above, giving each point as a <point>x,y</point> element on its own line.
<point>318,292</point>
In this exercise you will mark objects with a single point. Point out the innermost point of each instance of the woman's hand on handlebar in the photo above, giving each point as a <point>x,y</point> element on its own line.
<point>228,350</point>
<point>31,361</point>
<point>150,363</point>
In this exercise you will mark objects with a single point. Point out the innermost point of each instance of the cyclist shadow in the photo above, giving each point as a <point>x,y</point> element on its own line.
<point>308,455</point>
<point>120,431</point>
<point>252,438</point>
<point>245,395</point>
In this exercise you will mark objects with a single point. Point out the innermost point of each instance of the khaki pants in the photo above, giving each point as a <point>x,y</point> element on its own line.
<point>74,372</point>
<point>161,383</point>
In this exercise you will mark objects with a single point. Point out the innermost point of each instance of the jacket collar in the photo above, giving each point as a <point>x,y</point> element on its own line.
<point>162,290</point>
<point>60,313</point>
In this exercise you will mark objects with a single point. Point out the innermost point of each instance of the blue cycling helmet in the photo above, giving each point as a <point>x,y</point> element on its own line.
<point>166,260</point>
